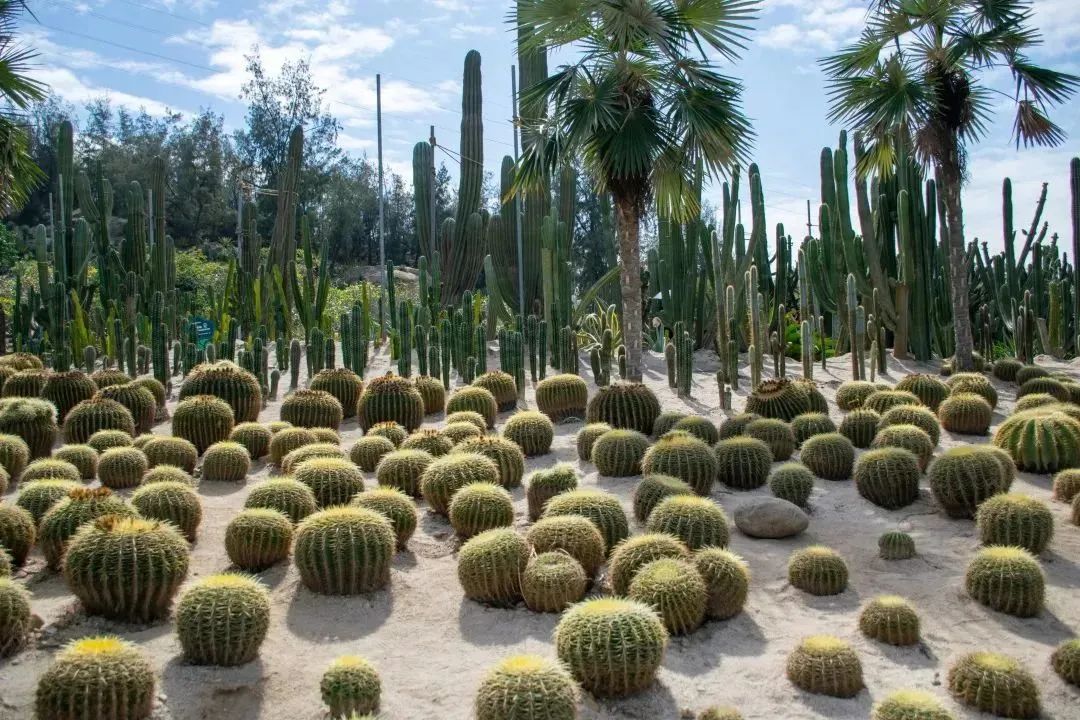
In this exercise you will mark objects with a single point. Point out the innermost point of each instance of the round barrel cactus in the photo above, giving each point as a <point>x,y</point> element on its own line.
<point>930,390</point>
<point>1007,579</point>
<point>102,677</point>
<point>792,482</point>
<point>531,430</point>
<point>996,684</point>
<point>403,469</point>
<point>1066,661</point>
<point>254,437</point>
<point>700,427</point>
<point>38,496</point>
<point>202,420</point>
<point>896,545</point>
<point>699,522</point>
<point>156,388</point>
<point>286,495</point>
<point>573,535</point>
<point>602,508</point>
<point>1035,400</point>
<point>818,570</point>
<point>909,437</point>
<point>632,406</point>
<point>780,399</point>
<point>102,440</point>
<point>474,399</point>
<point>1006,369</point>
<point>14,455</point>
<point>1040,441</point>
<point>109,376</point>
<point>390,398</point>
<point>853,393</point>
<point>776,434</point>
<point>17,532</point>
<point>126,569</point>
<point>459,432</point>
<point>344,551</point>
<point>172,502</point>
<point>1016,520</point>
<point>83,457</point>
<point>168,473</point>
<point>350,687</point>
<point>343,384</point>
<point>16,621</point>
<point>613,647</point>
<point>430,440</point>
<point>727,581</point>
<point>444,476</point>
<point>506,454</point>
<point>966,414</point>
<point>962,478</point>
<point>229,382</point>
<point>174,451</point>
<point>743,463</point>
<point>288,439</point>
<point>51,467</point>
<point>334,481</point>
<point>860,426</point>
<point>920,417</point>
<point>469,416</point>
<point>632,554</point>
<point>369,450</point>
<point>973,383</point>
<point>552,581</point>
<point>685,457</point>
<point>676,590</point>
<point>1042,385</point>
<point>432,391</point>
<point>883,400</point>
<point>222,620</point>
<point>65,517</point>
<point>478,507</point>
<point>312,409</point>
<point>120,468</point>
<point>910,705</point>
<point>21,361</point>
<point>258,538</point>
<point>1029,372</point>
<point>809,424</point>
<point>502,386</point>
<point>1067,485</point>
<point>654,488</point>
<point>825,665</point>
<point>888,477</point>
<point>490,566</point>
<point>293,460</point>
<point>665,422</point>
<point>720,713</point>
<point>890,619</point>
<point>395,506</point>
<point>65,390</point>
<point>736,425</point>
<point>619,452</point>
<point>562,397</point>
<point>138,400</point>
<point>34,421</point>
<point>527,686</point>
<point>587,437</point>
<point>25,383</point>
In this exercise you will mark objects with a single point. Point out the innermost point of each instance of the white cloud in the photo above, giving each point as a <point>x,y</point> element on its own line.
<point>785,35</point>
<point>462,30</point>
<point>813,26</point>
<point>451,5</point>
<point>71,88</point>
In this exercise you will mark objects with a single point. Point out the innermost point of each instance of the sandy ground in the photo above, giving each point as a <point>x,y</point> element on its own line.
<point>432,646</point>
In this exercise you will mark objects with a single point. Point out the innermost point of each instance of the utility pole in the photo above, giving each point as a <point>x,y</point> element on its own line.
<point>517,199</point>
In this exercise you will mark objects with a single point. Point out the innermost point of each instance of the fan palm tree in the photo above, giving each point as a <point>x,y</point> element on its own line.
<point>921,73</point>
<point>642,105</point>
<point>18,173</point>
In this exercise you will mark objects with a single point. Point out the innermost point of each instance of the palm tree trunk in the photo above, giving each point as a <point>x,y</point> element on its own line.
<point>629,225</point>
<point>950,179</point>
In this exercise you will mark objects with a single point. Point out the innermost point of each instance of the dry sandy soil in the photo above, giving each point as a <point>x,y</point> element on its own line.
<point>432,646</point>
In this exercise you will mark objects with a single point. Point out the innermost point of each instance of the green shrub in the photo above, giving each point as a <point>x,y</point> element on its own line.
<point>506,455</point>
<point>743,463</point>
<point>258,538</point>
<point>699,522</point>
<point>853,393</point>
<point>635,552</point>
<point>727,581</point>
<point>602,508</point>
<point>562,397</point>
<point>286,495</point>
<point>481,506</point>
<point>676,590</point>
<point>202,420</point>
<point>172,502</point>
<point>896,545</point>
<point>906,437</point>
<point>1041,440</point>
<point>222,620</point>
<point>16,621</point>
<point>138,400</point>
<point>685,457</point>
<point>776,434</point>
<point>792,482</point>
<point>254,437</point>
<point>83,457</point>
<point>34,421</point>
<point>619,452</point>
<point>531,430</point>
<point>995,684</point>
<point>101,677</point>
<point>312,409</point>
<point>890,619</point>
<point>587,437</point>
<point>343,384</point>
<point>930,390</point>
<point>1017,520</point>
<point>825,665</point>
<point>350,687</point>
<point>344,551</point>
<point>552,581</point>
<point>573,535</point>
<point>65,390</point>
<point>431,392</point>
<point>631,406</point>
<point>830,456</point>
<point>527,686</point>
<point>490,566</point>
<point>654,488</point>
<point>860,427</point>
<point>1007,579</point>
<point>174,451</point>
<point>403,469</point>
<point>80,506</point>
<point>818,570</point>
<point>225,380</point>
<point>447,475</point>
<point>546,484</point>
<point>477,400</point>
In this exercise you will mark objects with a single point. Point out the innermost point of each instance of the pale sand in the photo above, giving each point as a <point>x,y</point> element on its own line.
<point>431,646</point>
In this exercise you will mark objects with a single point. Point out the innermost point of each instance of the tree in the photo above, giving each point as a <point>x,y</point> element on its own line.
<point>920,75</point>
<point>643,105</point>
<point>18,173</point>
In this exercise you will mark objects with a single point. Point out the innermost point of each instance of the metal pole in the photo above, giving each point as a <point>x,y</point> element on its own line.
<point>378,123</point>
<point>517,200</point>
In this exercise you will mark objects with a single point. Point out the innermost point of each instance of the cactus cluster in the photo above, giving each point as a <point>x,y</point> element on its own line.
<point>80,506</point>
<point>736,425</point>
<point>665,422</point>
<point>350,688</point>
<point>34,421</point>
<point>890,619</point>
<point>631,406</point>
<point>552,581</point>
<point>225,380</point>
<point>546,484</point>
<point>930,390</point>
<point>825,665</point>
<point>696,521</point>
<point>602,508</point>
<point>860,426</point>
<point>506,454</point>
<point>1006,369</point>
<point>612,647</point>
<point>700,427</point>
<point>369,450</point>
<point>818,570</point>
<point>102,677</point>
<point>344,551</point>
<point>38,496</point>
<point>14,455</point>
<point>254,437</point>
<point>459,432</point>
<point>173,451</point>
<point>490,566</point>
<point>468,416</point>
<point>962,478</point>
<point>654,488</point>
<point>632,554</point>
<point>727,581</point>
<point>222,620</point>
<point>1035,386</point>
<point>883,400</point>
<point>51,467</point>
<point>920,417</point>
<point>172,502</point>
<point>994,683</point>
<point>619,452</point>
<point>395,506</point>
<point>1006,579</point>
<point>676,590</point>
<point>168,473</point>
<point>1029,372</point>
<point>447,475</point>
<point>743,463</point>
<point>286,495</point>
<point>1030,402</point>
<point>775,433</point>
<point>480,506</point>
<point>562,397</point>
<point>793,482</point>
<point>1016,520</point>
<point>109,376</point>
<point>226,461</point>
<point>258,538</point>
<point>683,456</point>
<point>573,535</point>
<point>25,383</point>
<point>1041,440</point>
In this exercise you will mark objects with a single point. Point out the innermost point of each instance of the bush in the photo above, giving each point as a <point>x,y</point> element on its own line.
<point>727,581</point>
<point>431,392</point>
<point>343,384</point>
<point>506,455</point>
<point>254,437</point>
<point>995,684</point>
<point>1040,441</point>
<point>350,687</point>
<point>202,420</point>
<point>102,677</point>
<point>825,665</point>
<point>818,570</point>
<point>447,475</point>
<point>225,380</point>
<point>830,456</point>
<point>743,463</point>
<point>1016,520</point>
<point>860,427</point>
<point>490,566</point>
<point>562,397</point>
<point>631,406</point>
<point>619,452</point>
<point>676,590</point>
<point>527,686</point>
<point>174,451</point>
<point>682,456</point>
<point>1007,579</point>
<point>792,482</point>
<point>602,508</point>
<point>344,551</point>
<point>546,484</point>
<point>896,545</point>
<point>34,421</point>
<point>478,507</point>
<point>258,538</point>
<point>573,535</point>
<point>552,581</point>
<point>654,488</point>
<point>312,409</point>
<point>776,434</point>
<point>477,400</point>
<point>171,502</point>
<point>632,554</point>
<point>613,647</point>
<point>698,522</point>
<point>222,620</point>
<point>403,469</point>
<point>890,619</point>
<point>586,437</point>
<point>288,496</point>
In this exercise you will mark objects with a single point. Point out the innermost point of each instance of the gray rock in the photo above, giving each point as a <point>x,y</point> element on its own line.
<point>770,518</point>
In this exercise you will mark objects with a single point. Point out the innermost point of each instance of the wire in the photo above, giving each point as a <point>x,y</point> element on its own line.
<point>107,18</point>
<point>128,48</point>
<point>162,11</point>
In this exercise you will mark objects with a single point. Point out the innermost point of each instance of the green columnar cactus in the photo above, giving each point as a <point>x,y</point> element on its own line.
<point>1066,661</point>
<point>1016,520</point>
<point>727,581</point>
<point>344,551</point>
<point>818,570</point>
<point>288,496</point>
<point>561,397</point>
<point>443,477</point>
<point>35,422</point>
<point>368,451</point>
<point>625,405</point>
<point>433,393</point>
<point>602,508</point>
<point>254,437</point>
<point>81,505</point>
<point>1007,579</point>
<point>619,452</point>
<point>930,390</point>
<point>312,409</point>
<point>666,421</point>
<point>573,535</point>
<point>403,469</point>
<point>613,647</point>
<point>531,430</point>
<point>222,620</point>
<point>629,556</point>
<point>481,506</point>
<point>890,619</point>
<point>334,481</point>
<point>888,477</point>
<point>258,538</point>
<point>825,665</point>
<point>122,467</point>
<point>14,455</point>
<point>676,590</point>
<point>102,440</point>
<point>743,463</point>
<point>653,489</point>
<point>793,482</point>
<point>17,532</point>
<point>476,399</point>
<point>429,440</point>
<point>16,621</point>
<point>527,686</point>
<point>83,457</point>
<point>781,399</point>
<point>226,461</point>
<point>860,427</point>
<point>684,457</point>
<point>909,437</point>
<point>552,581</point>
<point>896,545</point>
<point>697,521</point>
<point>966,414</point>
<point>173,502</point>
<point>995,684</point>
<point>391,398</point>
<point>809,424</point>
<point>38,496</point>
<point>202,420</point>
<point>350,687</point>
<point>138,400</point>
<point>586,437</point>
<point>490,566</point>
<point>51,467</point>
<point>506,455</point>
<point>65,390</point>
<point>98,677</point>
<point>224,379</point>
<point>1040,440</point>
<point>288,439</point>
<point>174,451</point>
<point>546,484</point>
<point>25,383</point>
<point>126,569</point>
<point>777,434</point>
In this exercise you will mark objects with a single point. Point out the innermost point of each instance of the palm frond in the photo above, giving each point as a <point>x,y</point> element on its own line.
<point>1042,85</point>
<point>19,175</point>
<point>1033,128</point>
<point>723,25</point>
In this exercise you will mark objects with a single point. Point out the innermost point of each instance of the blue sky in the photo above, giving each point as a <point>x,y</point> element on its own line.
<point>187,55</point>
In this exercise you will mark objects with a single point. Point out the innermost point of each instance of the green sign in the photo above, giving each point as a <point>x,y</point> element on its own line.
<point>204,331</point>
